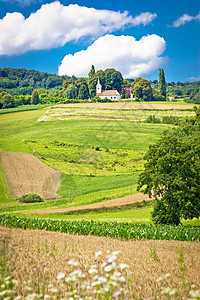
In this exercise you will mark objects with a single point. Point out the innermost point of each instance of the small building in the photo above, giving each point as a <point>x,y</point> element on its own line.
<point>109,94</point>
<point>128,90</point>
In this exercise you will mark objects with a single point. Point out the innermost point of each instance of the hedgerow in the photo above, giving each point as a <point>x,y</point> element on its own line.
<point>120,230</point>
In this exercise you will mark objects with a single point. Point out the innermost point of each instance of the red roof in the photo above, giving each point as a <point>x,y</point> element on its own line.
<point>108,93</point>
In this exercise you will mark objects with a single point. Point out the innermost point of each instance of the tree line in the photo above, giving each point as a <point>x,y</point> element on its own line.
<point>17,87</point>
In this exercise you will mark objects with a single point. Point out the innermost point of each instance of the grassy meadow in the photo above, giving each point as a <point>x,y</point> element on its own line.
<point>99,152</point>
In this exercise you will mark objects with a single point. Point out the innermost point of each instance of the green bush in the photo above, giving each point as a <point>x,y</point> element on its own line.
<point>170,120</point>
<point>163,215</point>
<point>153,119</point>
<point>30,198</point>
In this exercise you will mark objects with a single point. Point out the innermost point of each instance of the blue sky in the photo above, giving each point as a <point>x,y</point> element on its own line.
<point>134,37</point>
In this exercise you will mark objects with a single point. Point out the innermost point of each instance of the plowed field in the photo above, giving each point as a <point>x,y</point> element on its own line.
<point>25,174</point>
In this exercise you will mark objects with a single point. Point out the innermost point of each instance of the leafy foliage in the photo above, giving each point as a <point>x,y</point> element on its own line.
<point>6,100</point>
<point>172,176</point>
<point>126,231</point>
<point>30,198</point>
<point>21,79</point>
<point>35,98</point>
<point>189,91</point>
<point>162,83</point>
<point>142,89</point>
<point>110,80</point>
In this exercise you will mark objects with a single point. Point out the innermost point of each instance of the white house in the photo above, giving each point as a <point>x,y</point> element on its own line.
<point>110,94</point>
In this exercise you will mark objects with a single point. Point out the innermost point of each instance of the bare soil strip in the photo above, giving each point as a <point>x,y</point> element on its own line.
<point>148,260</point>
<point>124,105</point>
<point>109,203</point>
<point>25,174</point>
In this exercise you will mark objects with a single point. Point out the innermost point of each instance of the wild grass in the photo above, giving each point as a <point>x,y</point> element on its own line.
<point>142,215</point>
<point>67,113</point>
<point>47,263</point>
<point>81,160</point>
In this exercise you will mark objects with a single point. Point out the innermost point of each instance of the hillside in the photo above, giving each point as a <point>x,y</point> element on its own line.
<point>23,82</point>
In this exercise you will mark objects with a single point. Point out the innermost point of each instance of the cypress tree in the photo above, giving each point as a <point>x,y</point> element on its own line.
<point>162,83</point>
<point>35,98</point>
<point>92,72</point>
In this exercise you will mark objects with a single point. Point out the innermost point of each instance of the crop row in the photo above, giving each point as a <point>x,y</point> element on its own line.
<point>114,230</point>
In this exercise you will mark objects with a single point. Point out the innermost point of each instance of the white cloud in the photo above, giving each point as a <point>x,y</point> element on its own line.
<point>193,78</point>
<point>124,53</point>
<point>54,25</point>
<point>185,19</point>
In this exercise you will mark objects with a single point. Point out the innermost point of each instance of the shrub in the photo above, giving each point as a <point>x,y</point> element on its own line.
<point>153,119</point>
<point>30,198</point>
<point>170,120</point>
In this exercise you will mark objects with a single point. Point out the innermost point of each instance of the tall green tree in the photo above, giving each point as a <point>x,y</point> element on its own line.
<point>172,177</point>
<point>162,83</point>
<point>67,82</point>
<point>35,98</point>
<point>83,92</point>
<point>92,72</point>
<point>71,92</point>
<point>142,89</point>
<point>6,100</point>
<point>113,80</point>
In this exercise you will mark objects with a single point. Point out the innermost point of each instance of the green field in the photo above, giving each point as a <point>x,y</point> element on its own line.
<point>99,154</point>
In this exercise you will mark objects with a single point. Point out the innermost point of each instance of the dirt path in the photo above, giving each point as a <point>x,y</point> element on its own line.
<point>109,203</point>
<point>126,105</point>
<point>25,174</point>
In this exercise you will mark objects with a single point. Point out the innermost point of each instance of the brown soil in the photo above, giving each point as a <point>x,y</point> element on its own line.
<point>40,255</point>
<point>109,203</point>
<point>25,174</point>
<point>124,105</point>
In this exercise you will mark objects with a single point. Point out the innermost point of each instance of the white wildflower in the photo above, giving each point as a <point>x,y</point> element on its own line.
<point>122,279</point>
<point>99,253</point>
<point>92,271</point>
<point>103,265</point>
<point>115,252</point>
<point>195,294</point>
<point>53,290</point>
<point>123,266</point>
<point>116,294</point>
<point>102,279</point>
<point>111,259</point>
<point>73,263</point>
<point>61,275</point>
<point>165,290</point>
<point>106,289</point>
<point>173,292</point>
<point>116,273</point>
<point>108,268</point>
<point>113,283</point>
